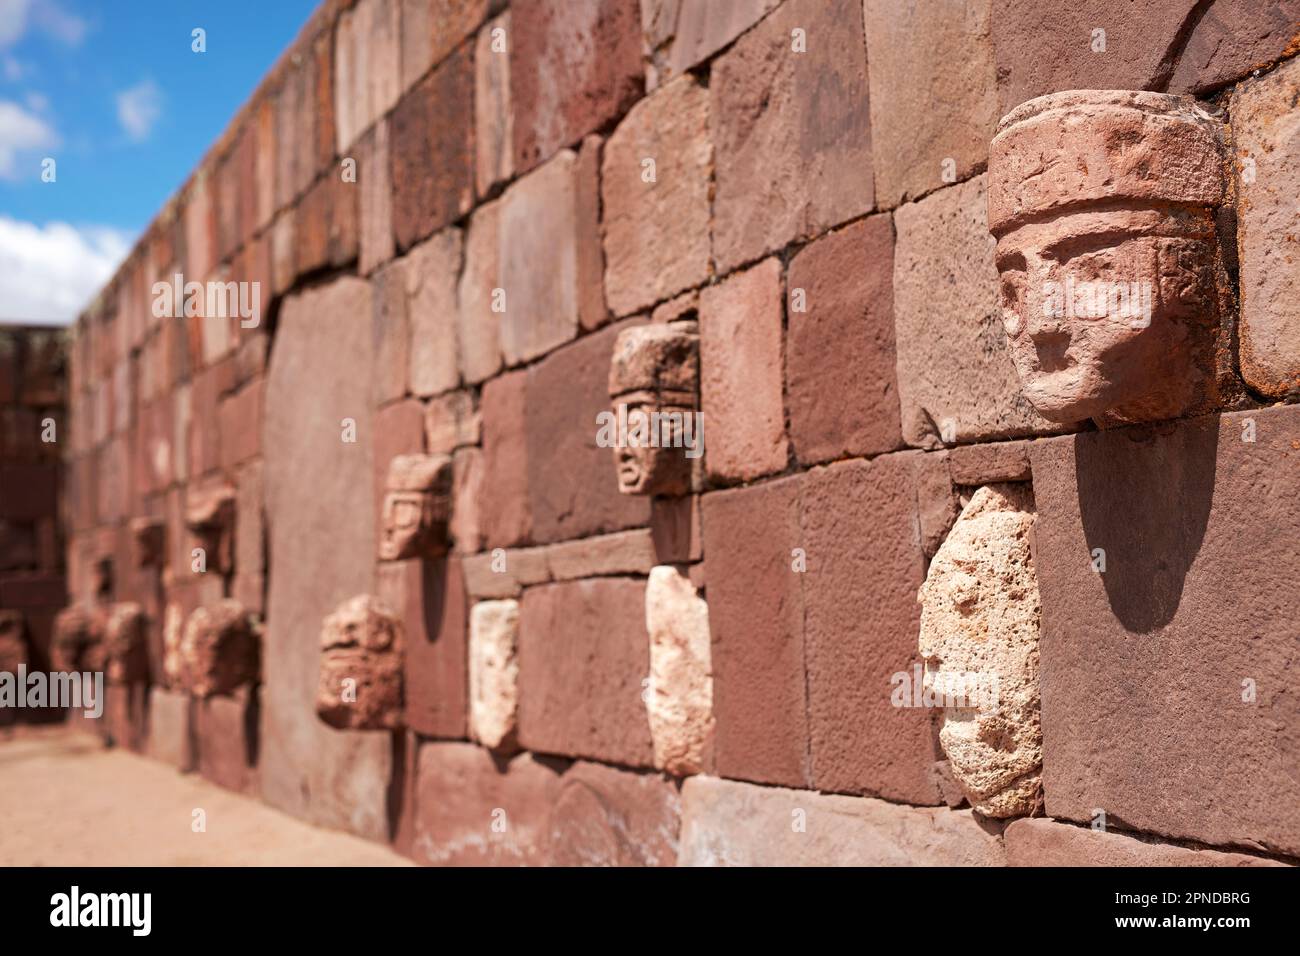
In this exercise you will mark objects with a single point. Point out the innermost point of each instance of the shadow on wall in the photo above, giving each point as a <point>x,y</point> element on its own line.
<point>1145,503</point>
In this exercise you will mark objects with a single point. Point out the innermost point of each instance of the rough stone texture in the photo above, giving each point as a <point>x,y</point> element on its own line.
<point>432,269</point>
<point>573,67</point>
<point>980,613</point>
<point>1144,667</point>
<point>391,333</point>
<point>1233,37</point>
<point>362,642</point>
<point>756,622</point>
<point>327,227</point>
<point>478,326</point>
<point>1042,842</point>
<point>494,673</point>
<point>961,383</point>
<point>996,461</point>
<point>432,152</point>
<point>493,112</point>
<point>225,729</point>
<point>432,30</point>
<point>680,34</point>
<point>727,823</point>
<point>1266,128</point>
<point>859,614</point>
<point>472,810</point>
<point>504,500</point>
<point>451,421</point>
<point>624,552</point>
<point>538,254</point>
<point>572,487</point>
<point>657,231</point>
<point>317,377</point>
<point>741,368</point>
<point>793,132</point>
<point>376,200</point>
<point>220,650</point>
<point>125,650</point>
<point>609,817</point>
<point>582,658</point>
<point>170,733</point>
<point>466,497</point>
<point>929,126</point>
<point>679,700</point>
<point>841,381</point>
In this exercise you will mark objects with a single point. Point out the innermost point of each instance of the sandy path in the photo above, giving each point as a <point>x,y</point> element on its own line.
<point>67,801</point>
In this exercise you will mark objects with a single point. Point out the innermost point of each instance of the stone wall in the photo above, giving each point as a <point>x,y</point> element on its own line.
<point>452,208</point>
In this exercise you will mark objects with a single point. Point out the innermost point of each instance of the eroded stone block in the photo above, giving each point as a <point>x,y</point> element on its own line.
<point>417,507</point>
<point>361,667</point>
<point>220,649</point>
<point>679,700</point>
<point>494,672</point>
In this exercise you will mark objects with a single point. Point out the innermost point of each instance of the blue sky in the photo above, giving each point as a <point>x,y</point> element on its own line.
<point>112,91</point>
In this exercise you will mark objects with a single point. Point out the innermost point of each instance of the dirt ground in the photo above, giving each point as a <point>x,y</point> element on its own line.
<point>65,800</point>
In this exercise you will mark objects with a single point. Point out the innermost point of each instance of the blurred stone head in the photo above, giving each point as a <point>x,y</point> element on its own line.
<point>125,649</point>
<point>361,682</point>
<point>78,640</point>
<point>417,507</point>
<point>220,650</point>
<point>1103,204</point>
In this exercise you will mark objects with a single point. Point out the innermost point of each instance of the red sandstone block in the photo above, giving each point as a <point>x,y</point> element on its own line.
<point>391,333</point>
<point>225,733</point>
<point>782,171</point>
<point>627,552</point>
<point>573,67</point>
<point>675,529</point>
<point>283,251</point>
<point>227,178</point>
<point>200,238</point>
<point>840,374</point>
<point>264,164</point>
<point>125,719</point>
<point>1042,842</point>
<point>430,598</point>
<point>572,482</point>
<point>250,537</point>
<point>290,103</point>
<point>431,151</point>
<point>477,324</point>
<point>657,217</point>
<point>430,31</point>
<point>493,113</point>
<point>452,421</point>
<point>583,653</point>
<point>1168,697</point>
<point>170,737</point>
<point>467,490</point>
<point>317,143</point>
<point>861,620</point>
<point>504,500</point>
<point>741,366</point>
<point>432,269</point>
<point>679,34</point>
<point>327,225</point>
<point>756,622</point>
<point>604,816</point>
<point>241,425</point>
<point>471,810</point>
<point>399,430</point>
<point>995,461</point>
<point>1232,38</point>
<point>204,424</point>
<point>376,202</point>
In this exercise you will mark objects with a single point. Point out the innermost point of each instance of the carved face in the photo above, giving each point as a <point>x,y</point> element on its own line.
<point>660,467</point>
<point>1108,313</point>
<point>417,507</point>
<point>124,644</point>
<point>220,650</point>
<point>979,638</point>
<point>361,667</point>
<point>78,641</point>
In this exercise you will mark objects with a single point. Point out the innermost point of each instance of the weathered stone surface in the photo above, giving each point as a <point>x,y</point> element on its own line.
<point>1232,38</point>
<point>929,126</point>
<point>1168,699</point>
<point>478,326</point>
<point>362,663</point>
<point>125,649</point>
<point>573,491</point>
<point>432,153</point>
<point>507,518</point>
<point>170,733</point>
<point>680,34</point>
<point>466,497</point>
<point>675,529</point>
<point>398,430</point>
<point>376,200</point>
<point>679,700</point>
<point>756,620</point>
<point>727,823</point>
<point>538,255</point>
<point>655,185</point>
<point>391,333</point>
<point>432,30</point>
<point>494,132</point>
<point>125,722</point>
<point>1266,133</point>
<point>859,613</point>
<point>960,386</point>
<point>572,69</point>
<point>624,552</point>
<point>417,507</point>
<point>980,614</point>
<point>996,461</point>
<point>327,227</point>
<point>582,657</point>
<point>451,421</point>
<point>494,673</point>
<point>220,650</point>
<point>318,376</point>
<point>841,381</point>
<point>173,634</point>
<point>609,817</point>
<point>471,810</point>
<point>432,269</point>
<point>741,364</point>
<point>225,731</point>
<point>1043,842</point>
<point>793,140</point>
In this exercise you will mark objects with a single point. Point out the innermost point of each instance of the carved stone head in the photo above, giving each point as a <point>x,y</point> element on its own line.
<point>148,536</point>
<point>1103,204</point>
<point>654,385</point>
<point>980,615</point>
<point>78,640</point>
<point>125,649</point>
<point>417,507</point>
<point>361,683</point>
<point>220,650</point>
<point>210,516</point>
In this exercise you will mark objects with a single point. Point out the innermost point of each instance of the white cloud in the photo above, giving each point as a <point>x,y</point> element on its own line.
<point>138,108</point>
<point>49,273</point>
<point>45,15</point>
<point>21,133</point>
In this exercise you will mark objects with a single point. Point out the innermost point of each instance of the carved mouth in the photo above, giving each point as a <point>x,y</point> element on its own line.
<point>1052,351</point>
